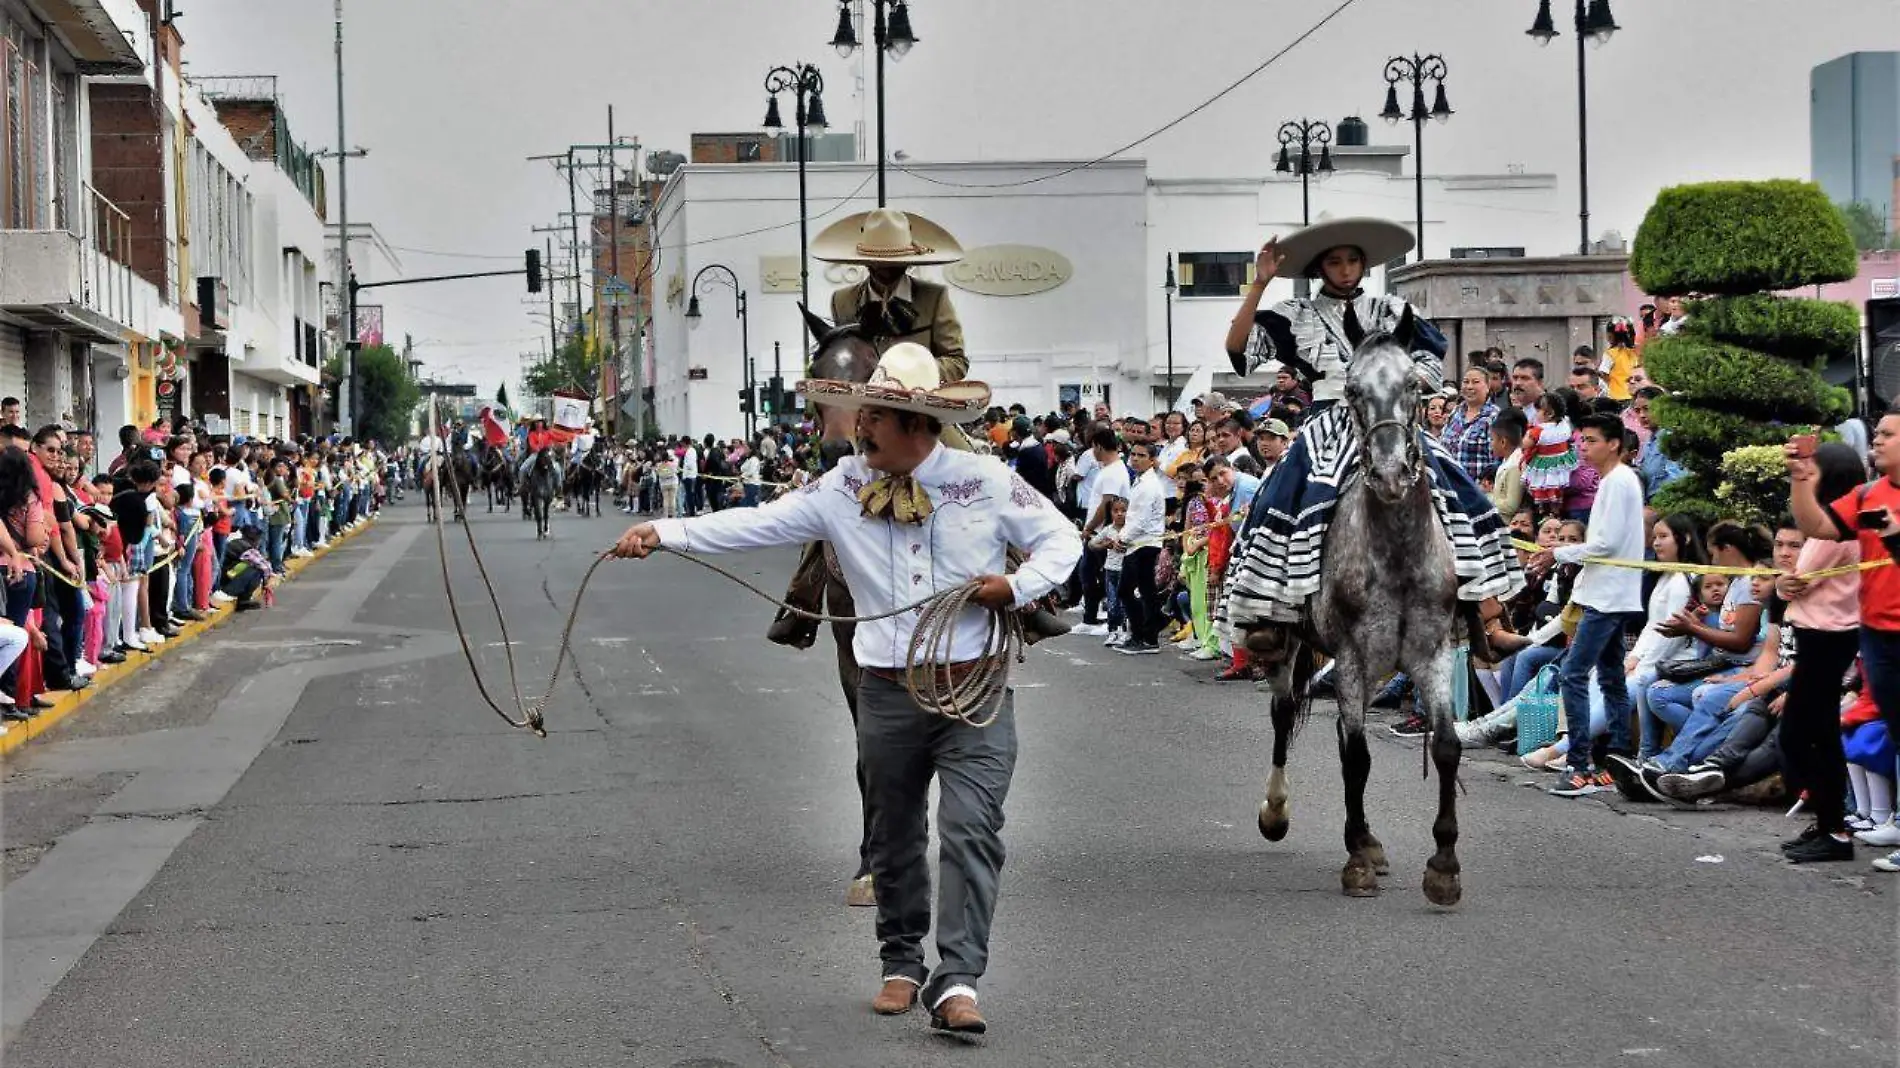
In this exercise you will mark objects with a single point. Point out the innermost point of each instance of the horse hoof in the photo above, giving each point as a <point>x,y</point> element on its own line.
<point>1375,856</point>
<point>1274,821</point>
<point>1357,879</point>
<point>1443,886</point>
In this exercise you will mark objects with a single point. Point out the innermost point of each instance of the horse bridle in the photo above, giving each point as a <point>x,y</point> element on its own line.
<point>1412,452</point>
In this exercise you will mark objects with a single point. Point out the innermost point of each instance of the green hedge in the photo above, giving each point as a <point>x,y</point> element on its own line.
<point>1698,437</point>
<point>1740,382</point>
<point>1793,329</point>
<point>1741,237</point>
<point>1691,496</point>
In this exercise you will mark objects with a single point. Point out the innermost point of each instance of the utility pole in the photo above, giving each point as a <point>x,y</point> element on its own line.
<point>346,304</point>
<point>610,404</point>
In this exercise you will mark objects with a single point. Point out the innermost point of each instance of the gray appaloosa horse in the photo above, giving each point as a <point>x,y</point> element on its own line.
<point>1387,602</point>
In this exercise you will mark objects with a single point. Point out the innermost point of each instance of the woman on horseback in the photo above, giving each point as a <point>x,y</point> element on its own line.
<point>1276,565</point>
<point>539,437</point>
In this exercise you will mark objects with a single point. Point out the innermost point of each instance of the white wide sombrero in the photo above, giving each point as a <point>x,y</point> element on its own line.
<point>905,379</point>
<point>1381,240</point>
<point>886,236</point>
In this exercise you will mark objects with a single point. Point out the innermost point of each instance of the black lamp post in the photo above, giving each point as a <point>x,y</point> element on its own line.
<point>722,275</point>
<point>1169,288</point>
<point>1305,133</point>
<point>889,34</point>
<point>807,87</point>
<point>1418,70</point>
<point>1594,23</point>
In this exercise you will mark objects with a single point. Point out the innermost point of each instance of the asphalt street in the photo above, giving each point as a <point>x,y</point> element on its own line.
<point>304,841</point>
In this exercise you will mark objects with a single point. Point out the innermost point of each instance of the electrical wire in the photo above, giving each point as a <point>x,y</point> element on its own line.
<point>1164,128</point>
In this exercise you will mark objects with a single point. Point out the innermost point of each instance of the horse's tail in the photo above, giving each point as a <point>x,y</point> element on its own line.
<point>1305,665</point>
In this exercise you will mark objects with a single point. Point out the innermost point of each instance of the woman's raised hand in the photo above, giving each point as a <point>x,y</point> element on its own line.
<point>1267,265</point>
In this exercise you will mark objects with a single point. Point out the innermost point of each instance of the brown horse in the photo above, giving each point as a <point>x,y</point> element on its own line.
<point>842,354</point>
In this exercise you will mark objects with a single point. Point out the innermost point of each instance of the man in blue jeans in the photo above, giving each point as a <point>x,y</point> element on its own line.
<point>1606,594</point>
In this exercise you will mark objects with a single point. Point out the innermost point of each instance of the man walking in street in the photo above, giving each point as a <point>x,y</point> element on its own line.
<point>881,511</point>
<point>1140,541</point>
<point>1606,594</point>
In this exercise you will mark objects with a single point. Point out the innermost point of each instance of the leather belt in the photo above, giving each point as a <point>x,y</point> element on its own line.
<point>949,673</point>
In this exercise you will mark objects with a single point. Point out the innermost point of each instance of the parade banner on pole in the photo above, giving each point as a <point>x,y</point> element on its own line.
<point>570,416</point>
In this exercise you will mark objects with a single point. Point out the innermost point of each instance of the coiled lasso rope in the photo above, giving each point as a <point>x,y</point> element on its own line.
<point>976,699</point>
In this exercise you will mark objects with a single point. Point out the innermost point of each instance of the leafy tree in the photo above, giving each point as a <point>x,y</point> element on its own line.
<point>574,368</point>
<point>388,393</point>
<point>501,396</point>
<point>1871,232</point>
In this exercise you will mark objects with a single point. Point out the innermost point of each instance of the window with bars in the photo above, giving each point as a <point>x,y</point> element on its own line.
<point>241,423</point>
<point>23,177</point>
<point>1214,274</point>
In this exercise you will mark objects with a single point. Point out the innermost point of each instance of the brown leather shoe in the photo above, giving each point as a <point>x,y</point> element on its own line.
<point>895,997</point>
<point>958,1016</point>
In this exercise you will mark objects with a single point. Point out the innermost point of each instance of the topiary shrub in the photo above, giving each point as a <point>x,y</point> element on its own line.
<point>1741,237</point>
<point>1690,496</point>
<point>1754,485</point>
<point>1804,330</point>
<point>1742,372</point>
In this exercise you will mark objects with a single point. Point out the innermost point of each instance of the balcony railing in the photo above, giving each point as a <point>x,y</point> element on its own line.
<point>108,255</point>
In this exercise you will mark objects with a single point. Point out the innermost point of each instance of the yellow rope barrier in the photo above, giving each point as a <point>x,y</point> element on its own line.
<point>1716,569</point>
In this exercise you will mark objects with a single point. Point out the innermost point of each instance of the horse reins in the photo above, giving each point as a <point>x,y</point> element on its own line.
<point>975,698</point>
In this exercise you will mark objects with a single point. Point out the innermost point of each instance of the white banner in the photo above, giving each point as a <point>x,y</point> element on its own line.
<point>570,413</point>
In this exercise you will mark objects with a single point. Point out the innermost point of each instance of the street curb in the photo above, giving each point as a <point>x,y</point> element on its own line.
<point>110,675</point>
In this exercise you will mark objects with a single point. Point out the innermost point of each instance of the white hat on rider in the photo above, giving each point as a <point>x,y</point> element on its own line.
<point>906,379</point>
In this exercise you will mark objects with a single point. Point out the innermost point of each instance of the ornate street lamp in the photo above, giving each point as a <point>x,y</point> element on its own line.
<point>1305,133</point>
<point>890,34</point>
<point>807,87</point>
<point>1418,70</point>
<point>722,275</point>
<point>1595,24</point>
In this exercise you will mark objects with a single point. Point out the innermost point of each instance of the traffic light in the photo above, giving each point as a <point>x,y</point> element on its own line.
<point>534,270</point>
<point>745,402</point>
<point>781,400</point>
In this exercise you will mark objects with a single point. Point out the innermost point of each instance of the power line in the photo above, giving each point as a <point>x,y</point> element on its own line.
<point>1164,128</point>
<point>848,198</point>
<point>514,258</point>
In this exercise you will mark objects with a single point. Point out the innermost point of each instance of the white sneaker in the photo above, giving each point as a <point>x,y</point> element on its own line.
<point>1116,639</point>
<point>1203,653</point>
<point>221,597</point>
<point>151,637</point>
<point>1886,834</point>
<point>1089,630</point>
<point>1186,644</point>
<point>1890,862</point>
<point>80,667</point>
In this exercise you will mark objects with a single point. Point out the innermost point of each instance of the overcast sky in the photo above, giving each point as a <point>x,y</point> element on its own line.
<point>450,96</point>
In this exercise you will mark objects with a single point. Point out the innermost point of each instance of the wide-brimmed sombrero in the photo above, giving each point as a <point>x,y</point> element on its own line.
<point>905,379</point>
<point>886,236</point>
<point>1381,240</point>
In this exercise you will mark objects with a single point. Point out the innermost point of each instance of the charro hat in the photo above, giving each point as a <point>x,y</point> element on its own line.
<point>886,236</point>
<point>1381,240</point>
<point>905,379</point>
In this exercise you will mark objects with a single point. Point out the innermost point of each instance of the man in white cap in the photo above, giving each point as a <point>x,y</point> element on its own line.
<point>908,517</point>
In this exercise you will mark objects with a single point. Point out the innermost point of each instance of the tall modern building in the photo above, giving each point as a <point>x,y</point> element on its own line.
<point>1855,128</point>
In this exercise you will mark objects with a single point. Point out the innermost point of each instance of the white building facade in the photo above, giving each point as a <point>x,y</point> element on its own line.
<point>1061,293</point>
<point>1050,295</point>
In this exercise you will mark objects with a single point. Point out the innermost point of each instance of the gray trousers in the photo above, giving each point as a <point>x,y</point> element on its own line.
<point>902,747</point>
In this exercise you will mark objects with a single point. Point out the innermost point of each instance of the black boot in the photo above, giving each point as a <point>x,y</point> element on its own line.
<point>807,591</point>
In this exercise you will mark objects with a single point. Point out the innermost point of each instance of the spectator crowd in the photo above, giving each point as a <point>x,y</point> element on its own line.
<point>107,556</point>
